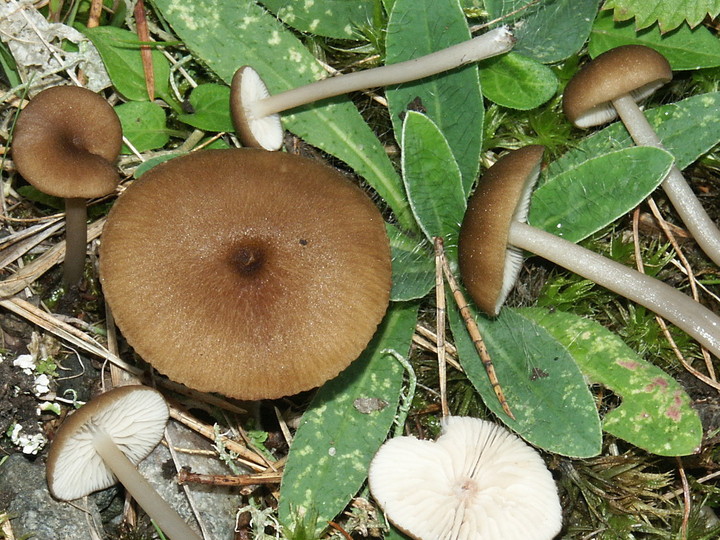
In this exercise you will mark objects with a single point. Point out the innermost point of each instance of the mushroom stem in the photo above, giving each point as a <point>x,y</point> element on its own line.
<point>681,195</point>
<point>490,44</point>
<point>169,521</point>
<point>75,240</point>
<point>678,308</point>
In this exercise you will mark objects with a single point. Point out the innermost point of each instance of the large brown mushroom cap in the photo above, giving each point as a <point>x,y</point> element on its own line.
<point>630,69</point>
<point>66,141</point>
<point>255,274</point>
<point>488,266</point>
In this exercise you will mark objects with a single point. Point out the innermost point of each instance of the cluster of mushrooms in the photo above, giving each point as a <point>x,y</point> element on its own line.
<point>259,274</point>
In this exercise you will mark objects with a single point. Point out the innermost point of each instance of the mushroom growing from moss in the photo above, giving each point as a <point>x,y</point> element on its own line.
<point>610,86</point>
<point>476,481</point>
<point>102,442</point>
<point>250,273</point>
<point>65,144</point>
<point>494,233</point>
<point>255,111</point>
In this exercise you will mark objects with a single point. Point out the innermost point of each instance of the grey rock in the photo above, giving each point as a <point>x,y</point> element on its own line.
<point>24,495</point>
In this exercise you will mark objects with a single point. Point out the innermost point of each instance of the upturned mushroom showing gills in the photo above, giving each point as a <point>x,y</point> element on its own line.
<point>250,273</point>
<point>65,144</point>
<point>477,481</point>
<point>610,86</point>
<point>102,442</point>
<point>494,232</point>
<point>255,111</point>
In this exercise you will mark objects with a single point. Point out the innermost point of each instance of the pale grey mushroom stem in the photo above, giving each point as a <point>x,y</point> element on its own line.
<point>681,195</point>
<point>169,521</point>
<point>678,308</point>
<point>493,43</point>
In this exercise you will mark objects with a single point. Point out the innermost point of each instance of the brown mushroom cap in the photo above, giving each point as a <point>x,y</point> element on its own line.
<point>251,273</point>
<point>488,266</point>
<point>630,69</point>
<point>66,141</point>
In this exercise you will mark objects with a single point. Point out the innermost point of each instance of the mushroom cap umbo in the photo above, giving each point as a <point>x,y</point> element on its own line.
<point>66,141</point>
<point>635,70</point>
<point>246,89</point>
<point>133,416</point>
<point>488,265</point>
<point>477,481</point>
<point>250,273</point>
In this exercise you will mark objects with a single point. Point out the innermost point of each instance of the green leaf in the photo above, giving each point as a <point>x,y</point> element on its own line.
<point>120,52</point>
<point>226,35</point>
<point>592,194</point>
<point>452,100</point>
<point>655,413</point>
<point>413,267</point>
<point>684,48</point>
<point>549,31</point>
<point>143,124</point>
<point>210,103</point>
<point>669,14</point>
<point>331,18</point>
<point>545,390</point>
<point>338,435</point>
<point>517,82</point>
<point>688,129</point>
<point>432,179</point>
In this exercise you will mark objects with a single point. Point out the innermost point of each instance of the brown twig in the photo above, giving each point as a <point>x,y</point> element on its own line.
<point>145,50</point>
<point>474,332</point>
<point>186,476</point>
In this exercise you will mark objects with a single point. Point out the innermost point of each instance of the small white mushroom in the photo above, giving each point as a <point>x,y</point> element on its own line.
<point>477,481</point>
<point>102,442</point>
<point>255,112</point>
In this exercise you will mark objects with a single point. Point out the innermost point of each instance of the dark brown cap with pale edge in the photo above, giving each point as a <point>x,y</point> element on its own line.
<point>250,273</point>
<point>134,417</point>
<point>488,266</point>
<point>66,142</point>
<point>630,69</point>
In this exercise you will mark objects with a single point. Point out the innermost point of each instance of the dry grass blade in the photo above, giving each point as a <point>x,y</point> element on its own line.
<point>64,331</point>
<point>20,243</point>
<point>31,272</point>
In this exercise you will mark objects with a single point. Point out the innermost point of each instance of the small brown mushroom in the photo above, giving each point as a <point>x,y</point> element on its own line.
<point>65,144</point>
<point>102,442</point>
<point>250,273</point>
<point>609,86</point>
<point>494,233</point>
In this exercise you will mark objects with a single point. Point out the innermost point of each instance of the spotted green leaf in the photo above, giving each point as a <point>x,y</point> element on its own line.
<point>684,48</point>
<point>669,14</point>
<point>452,100</point>
<point>585,198</point>
<point>432,179</point>
<point>225,35</point>
<point>345,424</point>
<point>332,18</point>
<point>655,413</point>
<point>688,129</point>
<point>545,390</point>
